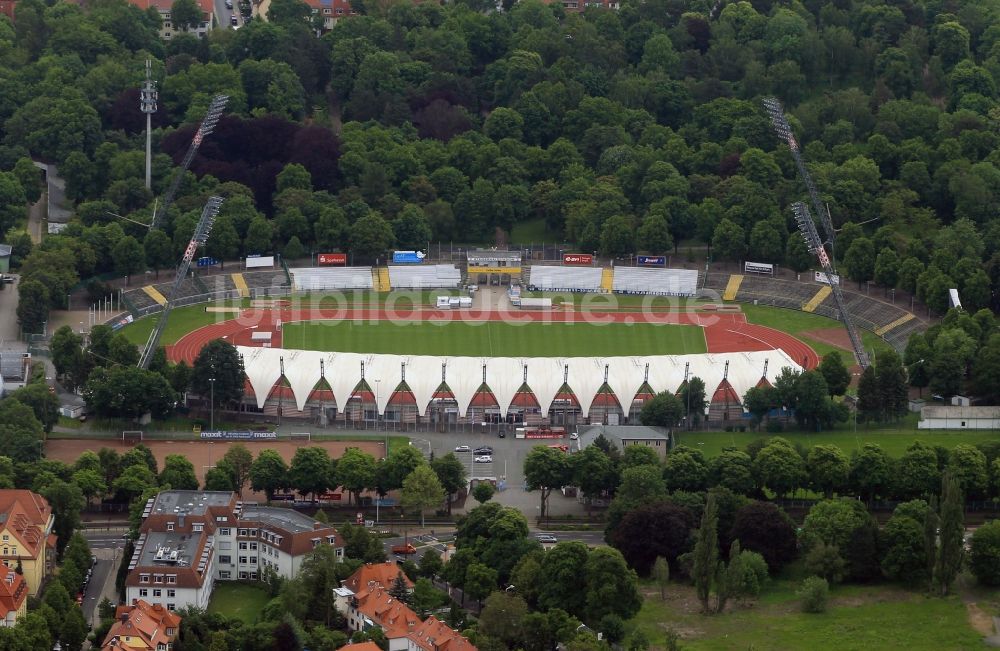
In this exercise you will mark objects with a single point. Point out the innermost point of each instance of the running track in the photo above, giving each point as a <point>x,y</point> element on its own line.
<point>725,332</point>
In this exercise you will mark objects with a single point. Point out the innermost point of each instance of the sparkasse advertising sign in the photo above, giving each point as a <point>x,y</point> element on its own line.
<point>578,258</point>
<point>332,258</point>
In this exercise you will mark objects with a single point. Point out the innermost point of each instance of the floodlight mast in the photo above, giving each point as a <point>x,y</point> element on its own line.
<point>201,232</point>
<point>215,110</point>
<point>808,229</point>
<point>147,104</point>
<point>777,114</point>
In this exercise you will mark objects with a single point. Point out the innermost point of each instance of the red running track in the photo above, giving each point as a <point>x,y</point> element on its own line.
<point>724,332</point>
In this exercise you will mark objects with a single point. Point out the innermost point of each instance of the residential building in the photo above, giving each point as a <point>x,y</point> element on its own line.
<point>435,635</point>
<point>26,537</point>
<point>360,646</point>
<point>623,436</point>
<point>190,539</point>
<point>7,8</point>
<point>13,596</point>
<point>168,29</point>
<point>330,10</point>
<point>142,627</point>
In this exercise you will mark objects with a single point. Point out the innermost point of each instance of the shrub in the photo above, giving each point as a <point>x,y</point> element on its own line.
<point>814,593</point>
<point>825,561</point>
<point>753,575</point>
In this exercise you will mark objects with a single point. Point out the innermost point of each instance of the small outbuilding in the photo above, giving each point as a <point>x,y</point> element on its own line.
<point>949,417</point>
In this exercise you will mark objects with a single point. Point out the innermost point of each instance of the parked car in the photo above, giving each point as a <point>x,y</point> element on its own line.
<point>485,449</point>
<point>462,448</point>
<point>546,539</point>
<point>502,434</point>
<point>404,549</point>
<point>234,20</point>
<point>574,436</point>
<point>484,459</point>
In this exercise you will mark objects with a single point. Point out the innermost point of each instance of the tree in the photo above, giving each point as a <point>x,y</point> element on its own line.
<point>371,236</point>
<point>859,260</point>
<point>661,574</point>
<point>779,467</point>
<point>835,373</point>
<point>868,406</point>
<point>293,176</point>
<point>663,410</point>
<point>706,552</point>
<point>218,479</point>
<point>268,473</point>
<point>692,395</point>
<point>431,564</point>
<point>43,403</point>
<point>652,530</point>
<point>218,363</point>
<point>422,490</point>
<point>984,555</point>
<point>66,348</point>
<point>732,469</point>
<point>259,237</point>
<point>617,236</point>
<point>903,540</point>
<point>871,472</point>
<point>33,305</point>
<point>411,229</point>
<point>832,522</point>
<point>129,256</point>
<point>480,581</point>
<point>128,392</point>
<point>482,493</point>
<point>355,471</point>
<point>546,468</point>
<point>685,470</point>
<point>239,461</point>
<point>814,593</point>
<point>90,483</point>
<point>502,617</point>
<point>653,234</point>
<point>951,537</point>
<point>764,528</point>
<point>12,200</point>
<point>186,14</point>
<point>451,473</point>
<point>967,465</point>
<point>729,241</point>
<point>828,469</point>
<point>67,501</point>
<point>311,471</point>
<point>178,473</point>
<point>611,586</point>
<point>593,473</point>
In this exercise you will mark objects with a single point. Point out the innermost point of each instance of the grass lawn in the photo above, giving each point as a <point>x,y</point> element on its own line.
<point>400,298</point>
<point>859,617</point>
<point>604,302</point>
<point>238,601</point>
<point>795,322</point>
<point>182,321</point>
<point>495,339</point>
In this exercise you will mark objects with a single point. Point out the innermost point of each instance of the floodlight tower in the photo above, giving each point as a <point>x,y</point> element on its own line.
<point>808,229</point>
<point>777,114</point>
<point>147,104</point>
<point>201,232</point>
<point>215,110</point>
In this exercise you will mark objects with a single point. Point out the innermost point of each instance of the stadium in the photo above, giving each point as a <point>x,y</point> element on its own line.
<point>495,338</point>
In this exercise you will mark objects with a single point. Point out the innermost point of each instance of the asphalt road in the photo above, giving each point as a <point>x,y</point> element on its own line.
<point>9,329</point>
<point>223,15</point>
<point>108,548</point>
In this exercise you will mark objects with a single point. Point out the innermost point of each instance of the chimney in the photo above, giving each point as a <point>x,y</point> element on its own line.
<point>123,618</point>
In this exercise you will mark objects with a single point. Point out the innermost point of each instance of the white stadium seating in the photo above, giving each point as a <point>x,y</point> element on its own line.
<point>431,276</point>
<point>565,279</point>
<point>660,282</point>
<point>320,278</point>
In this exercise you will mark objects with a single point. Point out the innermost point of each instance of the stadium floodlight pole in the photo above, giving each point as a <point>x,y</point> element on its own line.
<point>147,104</point>
<point>201,232</point>
<point>211,418</point>
<point>808,228</point>
<point>207,126</point>
<point>777,114</point>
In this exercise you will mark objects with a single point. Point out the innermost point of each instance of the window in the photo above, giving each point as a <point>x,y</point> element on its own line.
<point>224,575</point>
<point>6,550</point>
<point>13,550</point>
<point>253,576</point>
<point>6,537</point>
<point>228,560</point>
<point>243,560</point>
<point>171,607</point>
<point>171,578</point>
<point>170,526</point>
<point>224,531</point>
<point>171,593</point>
<point>198,526</point>
<point>253,547</point>
<point>157,578</point>
<point>243,576</point>
<point>243,532</point>
<point>243,546</point>
<point>157,593</point>
<point>143,592</point>
<point>253,560</point>
<point>143,578</point>
<point>221,518</point>
<point>253,533</point>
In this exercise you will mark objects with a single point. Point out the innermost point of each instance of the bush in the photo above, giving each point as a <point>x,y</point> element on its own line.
<point>775,427</point>
<point>825,561</point>
<point>754,574</point>
<point>814,593</point>
<point>613,628</point>
<point>984,558</point>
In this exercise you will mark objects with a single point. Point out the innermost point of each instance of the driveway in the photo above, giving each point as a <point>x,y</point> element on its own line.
<point>9,329</point>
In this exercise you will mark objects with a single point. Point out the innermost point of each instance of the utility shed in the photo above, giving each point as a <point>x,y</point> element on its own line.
<point>948,417</point>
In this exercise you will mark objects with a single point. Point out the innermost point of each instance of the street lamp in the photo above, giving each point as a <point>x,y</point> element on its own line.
<point>211,406</point>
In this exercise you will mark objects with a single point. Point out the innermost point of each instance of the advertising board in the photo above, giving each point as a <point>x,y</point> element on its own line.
<point>821,278</point>
<point>758,268</point>
<point>255,261</point>
<point>332,258</point>
<point>226,435</point>
<point>408,257</point>
<point>581,259</point>
<point>651,260</point>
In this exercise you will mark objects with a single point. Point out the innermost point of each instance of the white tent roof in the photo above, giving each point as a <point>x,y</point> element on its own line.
<point>504,375</point>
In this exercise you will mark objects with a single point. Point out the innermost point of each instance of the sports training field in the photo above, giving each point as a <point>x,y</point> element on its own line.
<point>494,339</point>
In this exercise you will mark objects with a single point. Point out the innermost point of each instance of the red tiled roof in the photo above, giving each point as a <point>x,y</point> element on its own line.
<point>375,574</point>
<point>13,590</point>
<point>725,394</point>
<point>164,5</point>
<point>25,515</point>
<point>435,635</point>
<point>394,616</point>
<point>360,646</point>
<point>763,383</point>
<point>144,621</point>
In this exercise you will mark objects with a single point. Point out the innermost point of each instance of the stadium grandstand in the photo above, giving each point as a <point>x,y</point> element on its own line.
<point>658,282</point>
<point>462,390</point>
<point>432,276</point>
<point>198,289</point>
<point>309,279</point>
<point>564,279</point>
<point>893,323</point>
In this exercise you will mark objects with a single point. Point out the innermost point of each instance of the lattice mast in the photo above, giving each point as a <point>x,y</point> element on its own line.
<point>147,104</point>
<point>784,131</point>
<point>808,229</point>
<point>201,233</point>
<point>215,110</point>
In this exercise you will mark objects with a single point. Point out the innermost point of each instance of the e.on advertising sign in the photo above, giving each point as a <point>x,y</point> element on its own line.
<point>578,259</point>
<point>332,258</point>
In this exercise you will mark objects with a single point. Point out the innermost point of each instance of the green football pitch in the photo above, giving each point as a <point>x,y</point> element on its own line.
<point>494,339</point>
